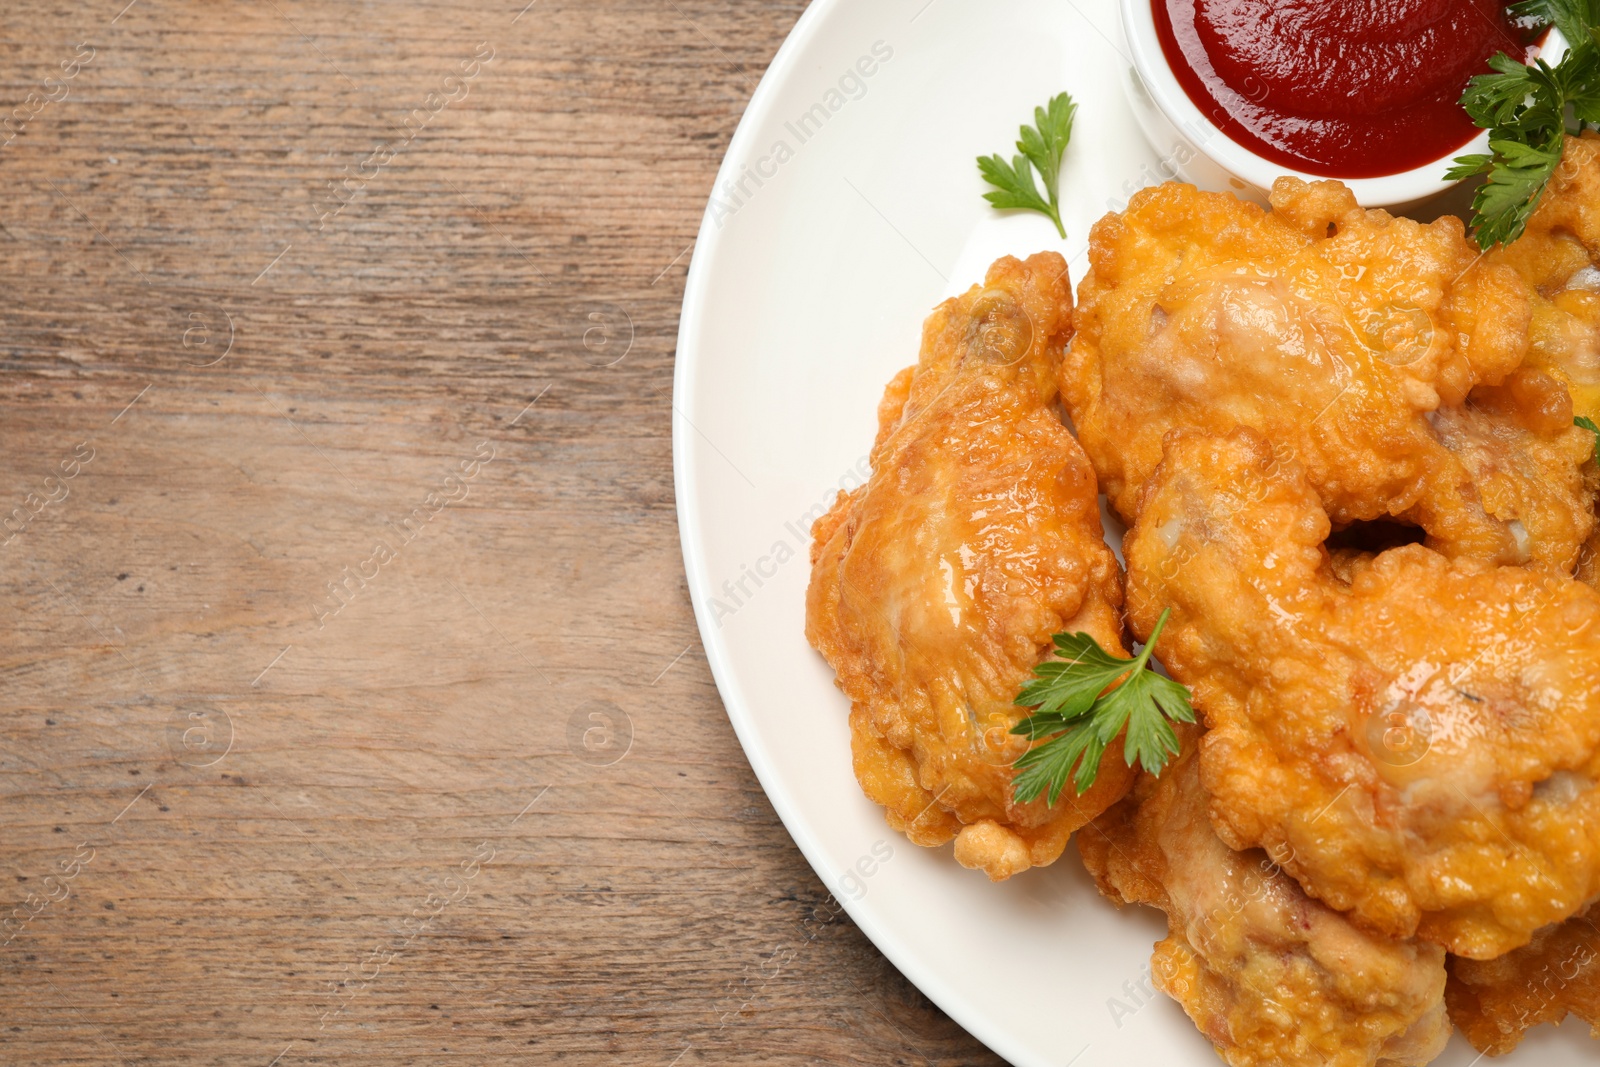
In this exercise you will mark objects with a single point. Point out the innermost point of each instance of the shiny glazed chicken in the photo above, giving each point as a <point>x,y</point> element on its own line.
<point>1496,1002</point>
<point>1559,258</point>
<point>1415,739</point>
<point>1352,341</point>
<point>937,586</point>
<point>1270,976</point>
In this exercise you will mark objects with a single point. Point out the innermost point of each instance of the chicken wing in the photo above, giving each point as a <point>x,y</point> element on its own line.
<point>1418,744</point>
<point>1270,976</point>
<point>937,586</point>
<point>1496,1002</point>
<point>1350,339</point>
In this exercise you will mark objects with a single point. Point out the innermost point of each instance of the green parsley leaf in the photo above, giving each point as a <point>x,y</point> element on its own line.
<point>1067,687</point>
<point>1041,147</point>
<point>1073,709</point>
<point>1517,179</point>
<point>1573,18</point>
<point>1494,99</point>
<point>1580,84</point>
<point>1588,424</point>
<point>1525,109</point>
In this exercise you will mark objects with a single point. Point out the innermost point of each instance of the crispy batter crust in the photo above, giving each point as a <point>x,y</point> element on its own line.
<point>1351,340</point>
<point>937,586</point>
<point>1496,1002</point>
<point>1271,977</point>
<point>1420,746</point>
<point>1559,258</point>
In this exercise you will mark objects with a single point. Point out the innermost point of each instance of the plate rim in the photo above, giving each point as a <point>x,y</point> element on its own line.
<point>707,242</point>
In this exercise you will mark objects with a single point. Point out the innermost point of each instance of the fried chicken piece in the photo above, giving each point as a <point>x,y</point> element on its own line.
<point>937,586</point>
<point>1270,976</point>
<point>1496,1002</point>
<point>1559,257</point>
<point>1518,445</point>
<point>1352,340</point>
<point>1420,746</point>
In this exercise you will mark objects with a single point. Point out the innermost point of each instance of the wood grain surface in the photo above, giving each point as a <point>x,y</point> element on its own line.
<point>353,708</point>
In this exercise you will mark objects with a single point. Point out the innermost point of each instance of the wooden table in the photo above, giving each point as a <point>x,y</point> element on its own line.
<point>353,707</point>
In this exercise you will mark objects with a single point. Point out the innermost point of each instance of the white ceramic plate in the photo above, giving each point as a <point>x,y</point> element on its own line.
<point>807,292</point>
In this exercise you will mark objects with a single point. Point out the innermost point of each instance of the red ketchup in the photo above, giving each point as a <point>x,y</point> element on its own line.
<point>1342,88</point>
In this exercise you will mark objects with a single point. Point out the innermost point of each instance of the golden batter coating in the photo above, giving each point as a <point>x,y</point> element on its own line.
<point>1559,258</point>
<point>1419,747</point>
<point>1270,976</point>
<point>1518,445</point>
<point>1350,339</point>
<point>937,586</point>
<point>1496,1002</point>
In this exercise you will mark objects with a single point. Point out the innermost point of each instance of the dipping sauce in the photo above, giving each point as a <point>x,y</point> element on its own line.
<point>1341,88</point>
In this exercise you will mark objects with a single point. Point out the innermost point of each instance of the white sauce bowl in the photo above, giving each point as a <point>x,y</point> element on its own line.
<point>1194,149</point>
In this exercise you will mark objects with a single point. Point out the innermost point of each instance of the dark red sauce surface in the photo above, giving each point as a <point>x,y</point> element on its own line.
<point>1342,88</point>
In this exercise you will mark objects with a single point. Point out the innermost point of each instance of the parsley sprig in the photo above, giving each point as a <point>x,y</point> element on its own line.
<point>1041,146</point>
<point>1525,109</point>
<point>1574,18</point>
<point>1081,719</point>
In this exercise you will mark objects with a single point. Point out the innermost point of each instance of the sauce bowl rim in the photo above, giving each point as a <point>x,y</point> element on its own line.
<point>1161,82</point>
